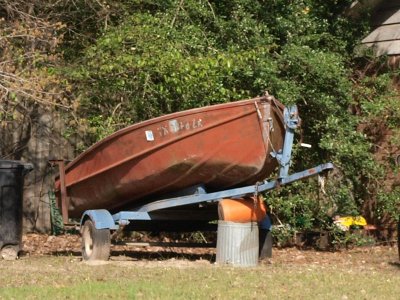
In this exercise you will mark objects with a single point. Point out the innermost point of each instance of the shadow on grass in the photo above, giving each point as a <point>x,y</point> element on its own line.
<point>66,253</point>
<point>149,255</point>
<point>161,255</point>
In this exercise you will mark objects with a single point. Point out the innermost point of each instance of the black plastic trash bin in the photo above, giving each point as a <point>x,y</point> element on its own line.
<point>12,175</point>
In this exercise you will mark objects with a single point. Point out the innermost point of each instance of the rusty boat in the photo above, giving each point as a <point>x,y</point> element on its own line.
<point>220,146</point>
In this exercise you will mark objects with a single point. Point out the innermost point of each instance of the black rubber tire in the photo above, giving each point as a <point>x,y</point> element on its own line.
<point>96,243</point>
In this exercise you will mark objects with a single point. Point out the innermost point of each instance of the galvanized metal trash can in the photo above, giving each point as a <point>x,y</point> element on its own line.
<point>237,244</point>
<point>12,175</point>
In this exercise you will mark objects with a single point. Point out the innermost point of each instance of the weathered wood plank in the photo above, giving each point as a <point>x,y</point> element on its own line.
<point>386,17</point>
<point>384,33</point>
<point>388,47</point>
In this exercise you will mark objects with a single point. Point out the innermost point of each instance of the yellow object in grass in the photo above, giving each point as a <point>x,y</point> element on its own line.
<point>346,222</point>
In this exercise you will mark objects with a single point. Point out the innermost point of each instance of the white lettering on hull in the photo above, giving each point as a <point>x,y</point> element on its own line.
<point>174,127</point>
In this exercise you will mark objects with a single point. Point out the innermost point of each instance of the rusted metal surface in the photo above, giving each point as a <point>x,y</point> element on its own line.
<point>220,146</point>
<point>63,198</point>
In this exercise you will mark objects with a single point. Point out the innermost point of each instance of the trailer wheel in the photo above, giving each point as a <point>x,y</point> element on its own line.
<point>95,242</point>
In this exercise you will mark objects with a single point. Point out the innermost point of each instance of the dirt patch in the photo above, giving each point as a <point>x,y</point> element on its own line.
<point>42,244</point>
<point>70,245</point>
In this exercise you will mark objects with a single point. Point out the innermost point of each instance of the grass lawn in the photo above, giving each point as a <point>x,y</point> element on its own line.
<point>364,273</point>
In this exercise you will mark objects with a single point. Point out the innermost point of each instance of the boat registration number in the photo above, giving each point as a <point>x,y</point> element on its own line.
<point>173,127</point>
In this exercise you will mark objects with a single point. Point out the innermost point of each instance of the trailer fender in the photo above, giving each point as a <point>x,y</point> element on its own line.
<point>101,218</point>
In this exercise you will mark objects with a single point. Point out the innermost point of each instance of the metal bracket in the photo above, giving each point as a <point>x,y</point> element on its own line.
<point>292,121</point>
<point>124,217</point>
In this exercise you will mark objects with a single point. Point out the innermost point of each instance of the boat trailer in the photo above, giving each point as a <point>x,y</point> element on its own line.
<point>96,224</point>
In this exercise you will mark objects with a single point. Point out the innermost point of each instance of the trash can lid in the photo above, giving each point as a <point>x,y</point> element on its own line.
<point>14,164</point>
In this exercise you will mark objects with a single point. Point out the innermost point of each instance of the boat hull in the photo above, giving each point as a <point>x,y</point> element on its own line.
<point>218,146</point>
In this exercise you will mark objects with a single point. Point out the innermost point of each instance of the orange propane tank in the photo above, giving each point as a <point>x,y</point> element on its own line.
<point>242,210</point>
